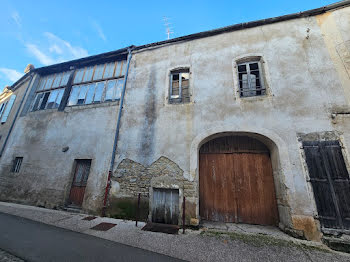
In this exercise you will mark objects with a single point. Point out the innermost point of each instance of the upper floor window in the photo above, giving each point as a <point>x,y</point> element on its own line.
<point>50,91</point>
<point>179,91</point>
<point>250,79</point>
<point>99,83</point>
<point>5,108</point>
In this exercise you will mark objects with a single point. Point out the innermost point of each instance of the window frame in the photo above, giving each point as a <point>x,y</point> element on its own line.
<point>263,88</point>
<point>179,71</point>
<point>42,90</point>
<point>6,107</point>
<point>117,74</point>
<point>17,164</point>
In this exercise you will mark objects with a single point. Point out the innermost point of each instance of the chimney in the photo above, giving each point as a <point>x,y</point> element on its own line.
<point>28,68</point>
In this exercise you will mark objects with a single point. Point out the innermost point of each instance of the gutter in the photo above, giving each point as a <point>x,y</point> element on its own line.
<point>116,134</point>
<point>17,113</point>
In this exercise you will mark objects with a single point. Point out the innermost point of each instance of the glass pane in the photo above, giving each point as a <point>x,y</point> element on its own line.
<point>119,88</point>
<point>175,86</point>
<point>49,82</point>
<point>254,66</point>
<point>2,108</point>
<point>185,79</point>
<point>110,90</point>
<point>65,78</point>
<point>57,81</point>
<point>99,91</point>
<point>124,68</point>
<point>79,76</point>
<point>117,68</point>
<point>59,98</point>
<point>42,83</point>
<point>98,72</point>
<point>90,94</point>
<point>109,70</point>
<point>74,96</point>
<point>8,109</point>
<point>36,101</point>
<point>242,68</point>
<point>52,99</point>
<point>44,100</point>
<point>82,94</point>
<point>88,73</point>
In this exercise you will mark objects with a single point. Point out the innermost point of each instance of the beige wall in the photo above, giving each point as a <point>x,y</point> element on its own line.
<point>46,173</point>
<point>304,88</point>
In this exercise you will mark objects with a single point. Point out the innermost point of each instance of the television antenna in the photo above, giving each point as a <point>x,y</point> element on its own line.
<point>169,30</point>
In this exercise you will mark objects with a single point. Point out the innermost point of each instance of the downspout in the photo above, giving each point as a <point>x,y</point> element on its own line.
<point>17,113</point>
<point>116,134</point>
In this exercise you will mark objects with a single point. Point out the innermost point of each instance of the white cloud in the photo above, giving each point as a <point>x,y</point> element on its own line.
<point>56,50</point>
<point>43,58</point>
<point>11,74</point>
<point>68,49</point>
<point>15,16</point>
<point>99,31</point>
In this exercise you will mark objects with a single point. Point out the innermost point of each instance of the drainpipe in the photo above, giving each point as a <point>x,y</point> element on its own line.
<point>116,134</point>
<point>17,113</point>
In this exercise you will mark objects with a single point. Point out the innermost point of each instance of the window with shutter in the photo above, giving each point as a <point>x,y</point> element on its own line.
<point>250,79</point>
<point>179,91</point>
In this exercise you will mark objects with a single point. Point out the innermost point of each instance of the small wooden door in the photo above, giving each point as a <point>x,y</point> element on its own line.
<point>236,182</point>
<point>165,206</point>
<point>81,175</point>
<point>330,182</point>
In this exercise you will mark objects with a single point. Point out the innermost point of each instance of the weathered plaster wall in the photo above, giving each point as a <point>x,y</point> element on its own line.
<point>303,89</point>
<point>46,173</point>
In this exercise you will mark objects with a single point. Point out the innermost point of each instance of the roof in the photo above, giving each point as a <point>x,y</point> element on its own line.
<point>123,52</point>
<point>251,24</point>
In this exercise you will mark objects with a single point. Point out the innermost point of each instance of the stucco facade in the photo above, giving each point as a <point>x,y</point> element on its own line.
<point>305,70</point>
<point>306,83</point>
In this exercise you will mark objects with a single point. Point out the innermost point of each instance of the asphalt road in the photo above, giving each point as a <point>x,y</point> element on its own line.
<point>34,241</point>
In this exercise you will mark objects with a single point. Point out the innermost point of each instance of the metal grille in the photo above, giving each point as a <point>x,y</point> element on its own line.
<point>17,164</point>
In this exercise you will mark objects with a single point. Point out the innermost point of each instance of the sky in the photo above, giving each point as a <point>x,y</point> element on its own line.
<point>48,32</point>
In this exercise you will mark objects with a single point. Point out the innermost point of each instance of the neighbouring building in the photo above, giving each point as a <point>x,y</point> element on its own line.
<point>250,123</point>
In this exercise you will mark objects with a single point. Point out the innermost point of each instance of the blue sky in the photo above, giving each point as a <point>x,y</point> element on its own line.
<point>48,32</point>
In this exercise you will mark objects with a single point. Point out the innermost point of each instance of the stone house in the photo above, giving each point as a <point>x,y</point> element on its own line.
<point>250,123</point>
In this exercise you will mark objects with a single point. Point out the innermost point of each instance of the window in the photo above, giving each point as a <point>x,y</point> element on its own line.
<point>5,108</point>
<point>17,164</point>
<point>250,79</point>
<point>179,86</point>
<point>97,84</point>
<point>50,91</point>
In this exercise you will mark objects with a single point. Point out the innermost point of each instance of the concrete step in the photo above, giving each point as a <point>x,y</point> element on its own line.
<point>73,209</point>
<point>338,243</point>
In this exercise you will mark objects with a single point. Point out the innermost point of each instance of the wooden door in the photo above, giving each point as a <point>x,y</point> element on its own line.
<point>81,175</point>
<point>165,206</point>
<point>236,182</point>
<point>330,183</point>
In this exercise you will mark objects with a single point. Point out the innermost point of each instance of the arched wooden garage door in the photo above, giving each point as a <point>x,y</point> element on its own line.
<point>236,182</point>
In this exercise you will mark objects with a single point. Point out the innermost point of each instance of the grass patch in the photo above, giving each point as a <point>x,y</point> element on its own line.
<point>259,240</point>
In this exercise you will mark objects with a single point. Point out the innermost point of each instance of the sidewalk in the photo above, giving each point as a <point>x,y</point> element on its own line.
<point>228,243</point>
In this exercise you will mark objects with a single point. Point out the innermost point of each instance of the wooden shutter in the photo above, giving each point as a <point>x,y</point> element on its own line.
<point>330,182</point>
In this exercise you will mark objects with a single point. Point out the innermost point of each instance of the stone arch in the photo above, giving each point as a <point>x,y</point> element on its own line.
<point>279,158</point>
